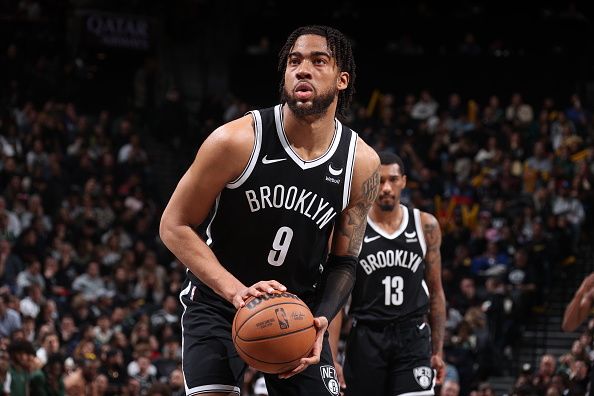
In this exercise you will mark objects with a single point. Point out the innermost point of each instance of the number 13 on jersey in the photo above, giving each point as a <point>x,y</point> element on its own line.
<point>393,286</point>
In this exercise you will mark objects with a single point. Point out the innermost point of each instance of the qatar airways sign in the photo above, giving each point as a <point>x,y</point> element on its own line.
<point>115,30</point>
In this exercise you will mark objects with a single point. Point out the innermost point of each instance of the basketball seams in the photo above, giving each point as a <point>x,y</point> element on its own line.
<point>276,336</point>
<point>273,363</point>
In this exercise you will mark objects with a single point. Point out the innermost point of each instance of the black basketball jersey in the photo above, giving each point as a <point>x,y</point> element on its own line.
<point>275,219</point>
<point>391,272</point>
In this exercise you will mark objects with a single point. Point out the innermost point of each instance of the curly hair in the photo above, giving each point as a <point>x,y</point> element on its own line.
<point>341,50</point>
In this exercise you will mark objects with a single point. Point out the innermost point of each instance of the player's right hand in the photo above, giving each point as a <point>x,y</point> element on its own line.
<point>256,290</point>
<point>340,375</point>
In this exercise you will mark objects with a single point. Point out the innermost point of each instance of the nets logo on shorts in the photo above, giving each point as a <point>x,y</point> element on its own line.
<point>423,376</point>
<point>330,380</point>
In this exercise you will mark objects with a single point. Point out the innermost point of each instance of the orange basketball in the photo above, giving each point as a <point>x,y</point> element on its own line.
<point>273,332</point>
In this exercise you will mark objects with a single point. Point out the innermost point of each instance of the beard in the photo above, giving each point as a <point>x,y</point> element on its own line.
<point>318,106</point>
<point>386,207</point>
<point>387,203</point>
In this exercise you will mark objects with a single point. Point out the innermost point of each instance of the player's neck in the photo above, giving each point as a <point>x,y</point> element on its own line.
<point>310,137</point>
<point>388,221</point>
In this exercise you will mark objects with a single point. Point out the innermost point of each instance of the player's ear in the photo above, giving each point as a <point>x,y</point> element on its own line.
<point>342,82</point>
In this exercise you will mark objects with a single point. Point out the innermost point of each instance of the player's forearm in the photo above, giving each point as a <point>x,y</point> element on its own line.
<point>576,312</point>
<point>437,317</point>
<point>191,250</point>
<point>334,335</point>
<point>337,283</point>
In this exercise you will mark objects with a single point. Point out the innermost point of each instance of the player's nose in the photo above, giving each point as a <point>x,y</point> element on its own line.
<point>303,70</point>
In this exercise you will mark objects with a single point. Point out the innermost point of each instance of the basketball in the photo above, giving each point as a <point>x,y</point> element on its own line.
<point>273,332</point>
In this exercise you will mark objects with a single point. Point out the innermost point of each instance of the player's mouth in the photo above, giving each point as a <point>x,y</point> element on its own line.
<point>387,197</point>
<point>303,91</point>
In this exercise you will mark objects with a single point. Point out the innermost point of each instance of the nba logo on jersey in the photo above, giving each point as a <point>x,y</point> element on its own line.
<point>423,376</point>
<point>283,322</point>
<point>330,380</point>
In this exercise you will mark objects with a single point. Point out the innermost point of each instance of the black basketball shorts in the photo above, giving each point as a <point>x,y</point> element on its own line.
<point>315,380</point>
<point>211,364</point>
<point>209,360</point>
<point>389,360</point>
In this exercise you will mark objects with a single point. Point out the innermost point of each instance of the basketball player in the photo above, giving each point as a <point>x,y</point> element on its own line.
<point>390,349</point>
<point>580,306</point>
<point>280,181</point>
<point>578,310</point>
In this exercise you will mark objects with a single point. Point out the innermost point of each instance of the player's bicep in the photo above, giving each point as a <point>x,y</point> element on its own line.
<point>350,227</point>
<point>432,234</point>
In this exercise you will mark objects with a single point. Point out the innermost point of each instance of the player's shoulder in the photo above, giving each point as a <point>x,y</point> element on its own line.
<point>428,220</point>
<point>234,135</point>
<point>233,138</point>
<point>366,158</point>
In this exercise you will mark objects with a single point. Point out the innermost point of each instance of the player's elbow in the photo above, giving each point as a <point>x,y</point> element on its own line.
<point>166,229</point>
<point>567,326</point>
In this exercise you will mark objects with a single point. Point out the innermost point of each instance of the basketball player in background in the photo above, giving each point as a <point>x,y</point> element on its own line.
<point>280,182</point>
<point>390,349</point>
<point>578,309</point>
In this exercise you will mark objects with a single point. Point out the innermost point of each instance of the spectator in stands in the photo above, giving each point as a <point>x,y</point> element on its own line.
<point>82,381</point>
<point>5,379</point>
<point>53,376</point>
<point>50,344</point>
<point>168,314</point>
<point>450,388</point>
<point>520,114</point>
<point>115,371</point>
<point>578,377</point>
<point>170,358</point>
<point>425,108</point>
<point>32,301</point>
<point>543,377</point>
<point>176,383</point>
<point>24,368</point>
<point>146,373</point>
<point>466,297</point>
<point>10,320</point>
<point>90,284</point>
<point>567,205</point>
<point>31,276</point>
<point>521,281</point>
<point>12,225</point>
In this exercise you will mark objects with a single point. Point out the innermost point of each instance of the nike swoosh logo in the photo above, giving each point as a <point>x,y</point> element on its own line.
<point>371,239</point>
<point>334,172</point>
<point>267,161</point>
<point>411,235</point>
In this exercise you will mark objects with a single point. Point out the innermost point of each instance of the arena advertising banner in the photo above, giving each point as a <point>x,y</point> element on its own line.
<point>117,31</point>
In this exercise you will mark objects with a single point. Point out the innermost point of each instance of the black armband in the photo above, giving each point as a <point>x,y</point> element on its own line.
<point>337,283</point>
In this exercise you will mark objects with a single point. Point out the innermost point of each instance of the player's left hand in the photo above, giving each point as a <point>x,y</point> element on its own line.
<point>439,366</point>
<point>321,324</point>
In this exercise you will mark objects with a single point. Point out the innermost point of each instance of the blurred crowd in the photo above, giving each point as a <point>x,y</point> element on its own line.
<point>88,294</point>
<point>568,374</point>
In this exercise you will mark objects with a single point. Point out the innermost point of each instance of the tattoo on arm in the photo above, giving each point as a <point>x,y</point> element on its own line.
<point>437,312</point>
<point>357,215</point>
